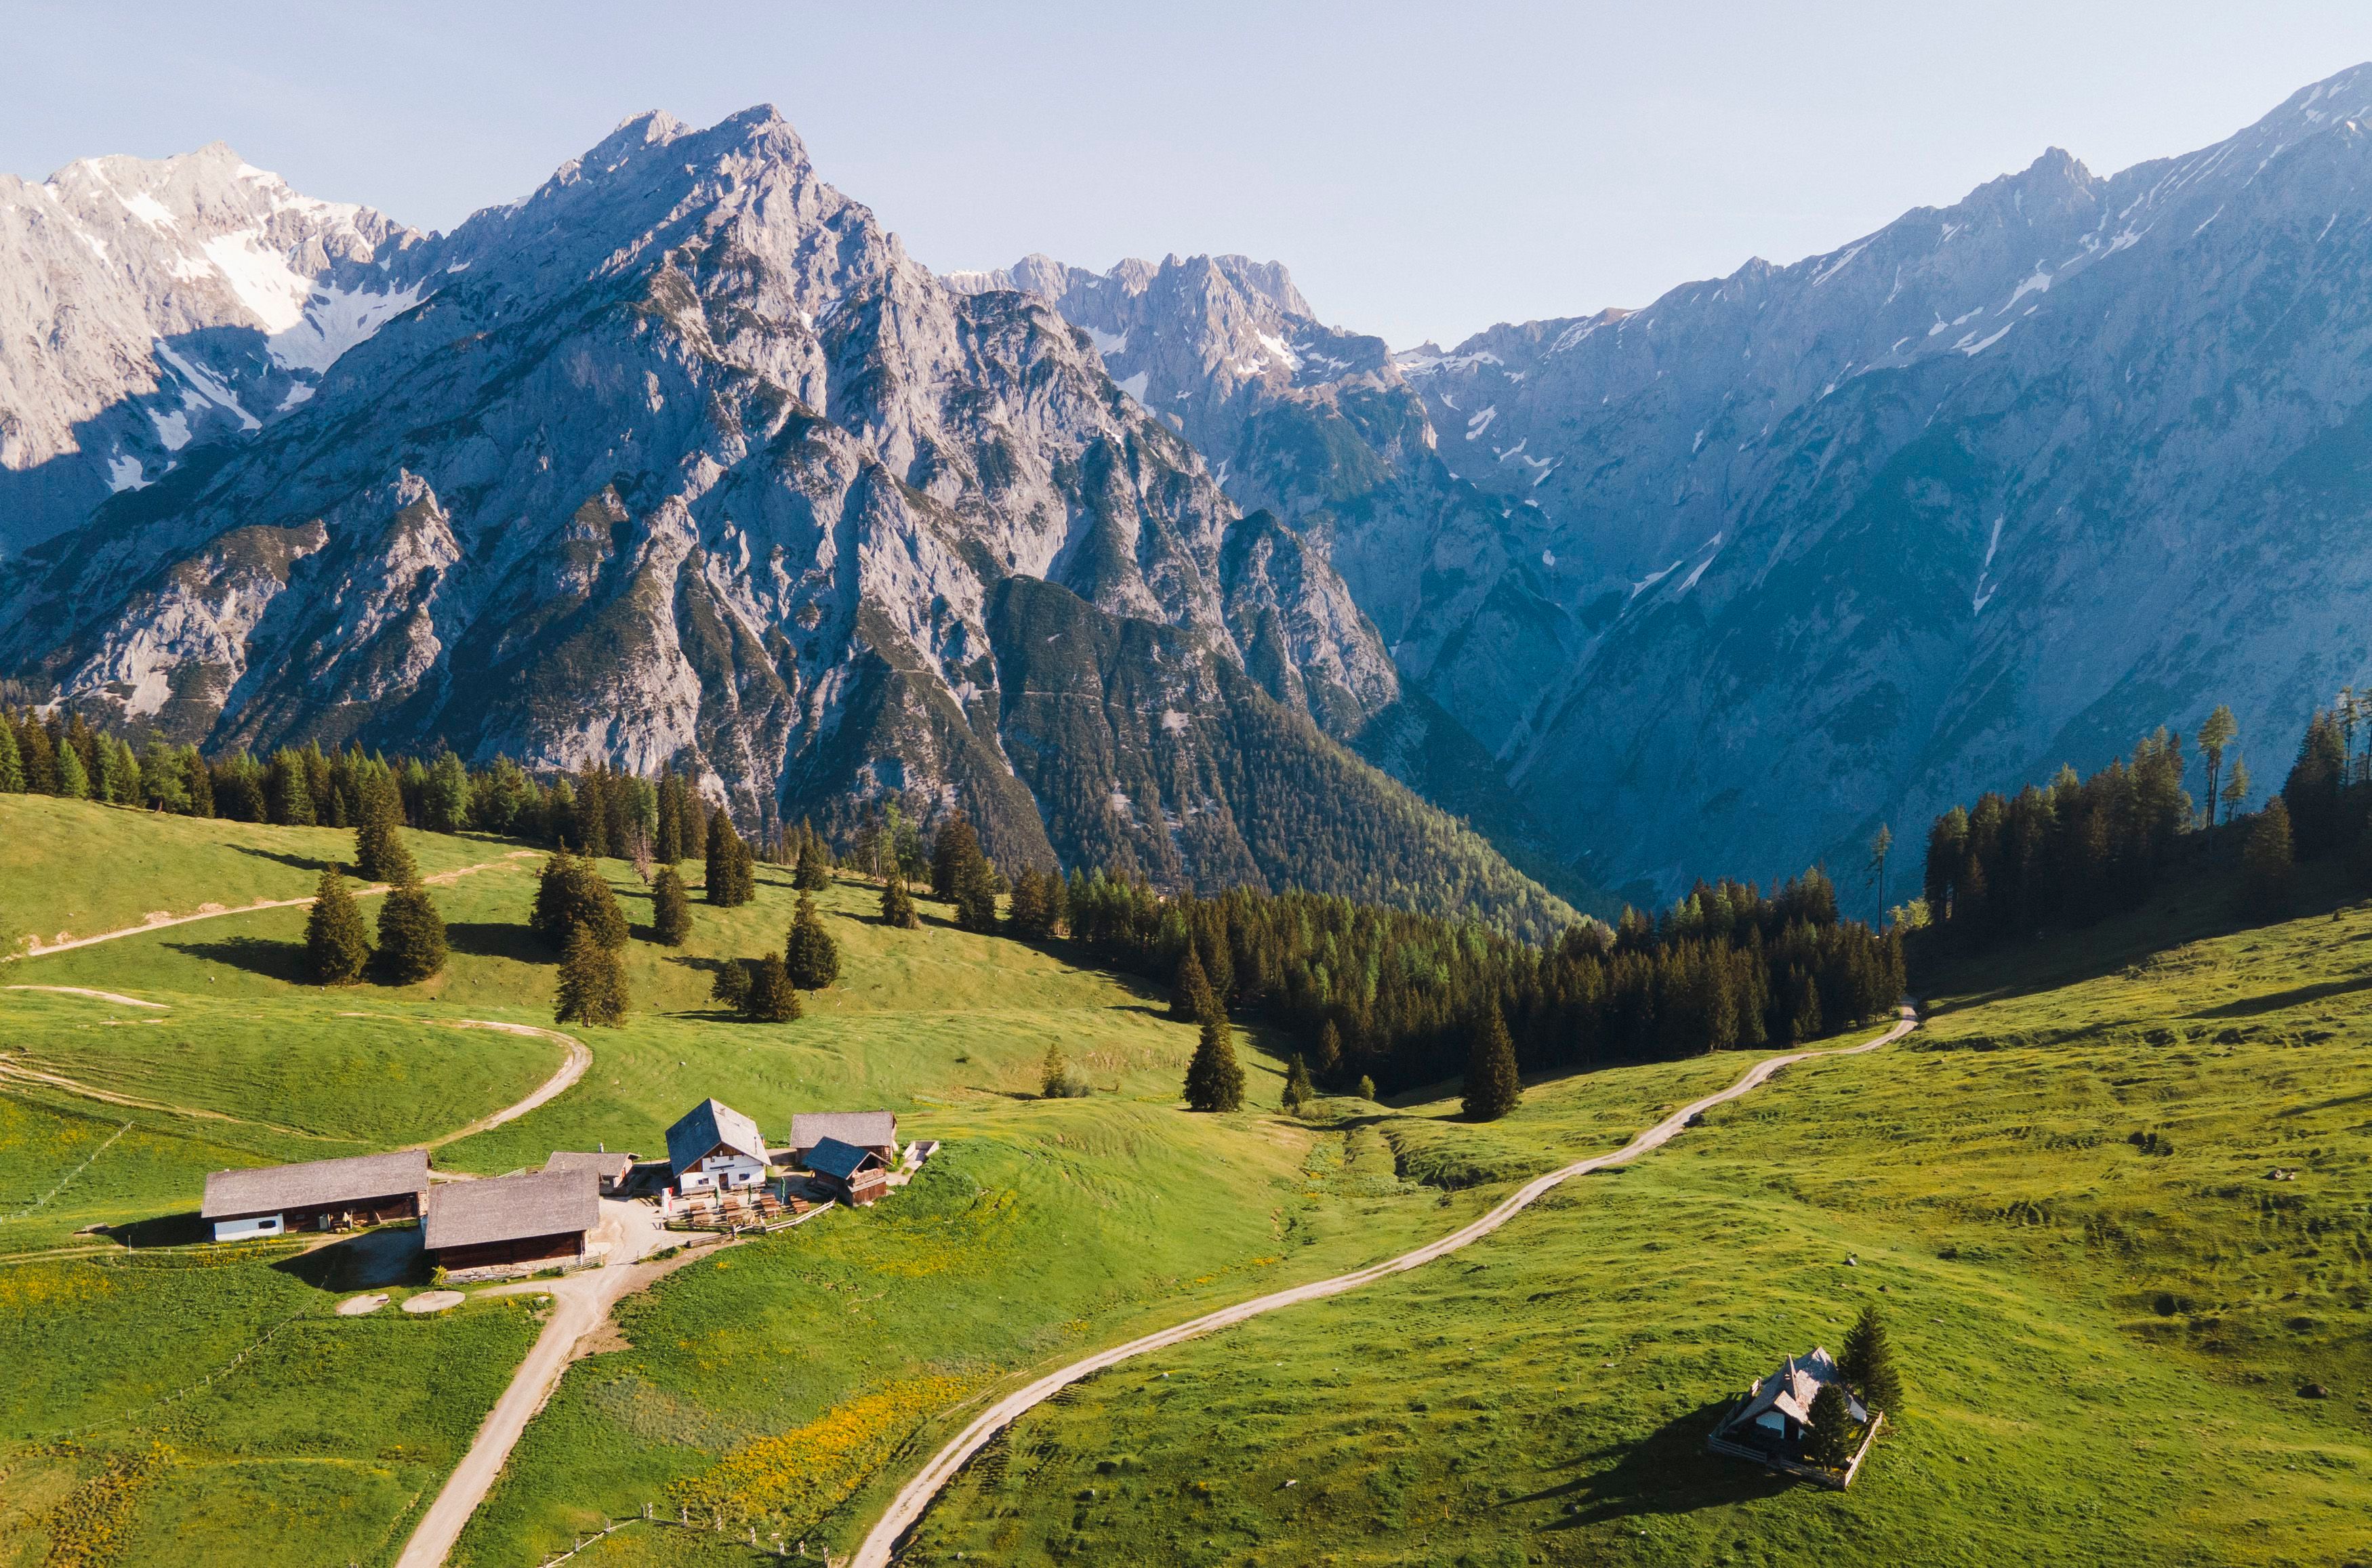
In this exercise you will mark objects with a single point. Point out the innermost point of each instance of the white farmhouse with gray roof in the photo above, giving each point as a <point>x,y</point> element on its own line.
<point>715,1148</point>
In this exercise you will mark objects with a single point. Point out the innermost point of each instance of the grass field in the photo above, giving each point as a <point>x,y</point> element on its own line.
<point>2105,1347</point>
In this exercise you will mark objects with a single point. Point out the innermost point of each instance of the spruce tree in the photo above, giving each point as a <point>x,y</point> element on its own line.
<point>1330,1050</point>
<point>337,944</point>
<point>898,905</point>
<point>1298,1090</point>
<point>1057,1079</point>
<point>773,998</point>
<point>954,849</point>
<point>594,905</point>
<point>1366,1086</point>
<point>1828,1436</point>
<point>731,985</point>
<point>1190,993</point>
<point>976,898</point>
<point>592,981</point>
<point>811,876</point>
<point>809,952</point>
<point>1868,1362</point>
<point>381,854</point>
<point>74,779</point>
<point>410,935</point>
<point>1493,1086</point>
<point>1214,1080</point>
<point>2265,862</point>
<point>719,870</point>
<point>670,908</point>
<point>12,763</point>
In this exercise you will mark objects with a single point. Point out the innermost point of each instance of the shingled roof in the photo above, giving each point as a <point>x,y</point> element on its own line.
<point>833,1158</point>
<point>317,1184</point>
<point>512,1208</point>
<point>865,1129</point>
<point>1791,1390</point>
<point>613,1166</point>
<point>708,1126</point>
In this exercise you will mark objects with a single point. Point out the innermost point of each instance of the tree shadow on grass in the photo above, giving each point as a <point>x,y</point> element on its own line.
<point>296,861</point>
<point>498,939</point>
<point>256,955</point>
<point>164,1230</point>
<point>2296,996</point>
<point>1668,1471</point>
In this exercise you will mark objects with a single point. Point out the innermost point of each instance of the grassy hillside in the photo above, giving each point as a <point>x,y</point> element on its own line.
<point>2105,1347</point>
<point>1045,1225</point>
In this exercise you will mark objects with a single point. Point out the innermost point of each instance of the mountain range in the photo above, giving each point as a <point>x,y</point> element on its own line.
<point>681,460</point>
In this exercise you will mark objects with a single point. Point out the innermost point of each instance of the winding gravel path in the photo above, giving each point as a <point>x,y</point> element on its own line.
<point>915,1497</point>
<point>579,1058</point>
<point>442,879</point>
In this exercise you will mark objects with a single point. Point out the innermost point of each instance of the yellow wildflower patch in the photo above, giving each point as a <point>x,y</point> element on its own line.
<point>800,1476</point>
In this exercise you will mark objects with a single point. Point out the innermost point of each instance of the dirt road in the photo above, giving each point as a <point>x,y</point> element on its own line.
<point>159,923</point>
<point>579,1059</point>
<point>907,1508</point>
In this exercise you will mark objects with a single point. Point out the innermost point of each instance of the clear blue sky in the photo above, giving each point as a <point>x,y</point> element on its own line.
<point>1424,170</point>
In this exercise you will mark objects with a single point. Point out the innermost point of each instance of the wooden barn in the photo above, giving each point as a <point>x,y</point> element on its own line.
<point>851,1174</point>
<point>874,1130</point>
<point>715,1149</point>
<point>613,1170</point>
<point>536,1220</point>
<point>316,1195</point>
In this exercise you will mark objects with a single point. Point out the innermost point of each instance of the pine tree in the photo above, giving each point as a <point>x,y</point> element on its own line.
<point>811,877</point>
<point>1828,1436</point>
<point>1868,1362</point>
<point>1366,1086</point>
<point>1214,1080</point>
<point>1330,1050</point>
<point>381,854</point>
<point>1493,1085</point>
<point>2265,862</point>
<point>410,935</point>
<point>337,944</point>
<point>731,985</point>
<point>12,763</point>
<point>1190,993</point>
<point>1298,1090</point>
<point>898,905</point>
<point>670,909</point>
<point>592,981</point>
<point>976,898</point>
<point>74,779</point>
<point>809,952</point>
<point>773,998</point>
<point>953,850</point>
<point>2220,730</point>
<point>1057,1079</point>
<point>732,870</point>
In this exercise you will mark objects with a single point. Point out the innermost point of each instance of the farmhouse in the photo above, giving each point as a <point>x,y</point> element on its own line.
<point>317,1195</point>
<point>851,1174</point>
<point>715,1148</point>
<point>612,1169</point>
<point>1769,1424</point>
<point>874,1130</point>
<point>513,1223</point>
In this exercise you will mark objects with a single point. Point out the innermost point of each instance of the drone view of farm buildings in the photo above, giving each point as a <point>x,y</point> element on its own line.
<point>678,888</point>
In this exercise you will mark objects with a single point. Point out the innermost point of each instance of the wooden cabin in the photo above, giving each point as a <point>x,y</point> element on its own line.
<point>316,1195</point>
<point>853,1175</point>
<point>528,1223</point>
<point>874,1130</point>
<point>614,1171</point>
<point>715,1149</point>
<point>1777,1410</point>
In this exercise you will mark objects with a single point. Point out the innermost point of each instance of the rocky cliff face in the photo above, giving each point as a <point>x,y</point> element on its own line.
<point>1725,583</point>
<point>681,460</point>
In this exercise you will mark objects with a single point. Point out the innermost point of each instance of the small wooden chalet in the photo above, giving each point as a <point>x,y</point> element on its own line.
<point>1769,1424</point>
<point>850,1174</point>
<point>535,1221</point>
<point>316,1195</point>
<point>613,1170</point>
<point>874,1130</point>
<point>715,1149</point>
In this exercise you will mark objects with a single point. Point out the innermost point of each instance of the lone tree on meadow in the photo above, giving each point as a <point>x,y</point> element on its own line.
<point>1057,1079</point>
<point>811,876</point>
<point>1828,1436</point>
<point>379,851</point>
<point>1214,1080</point>
<point>808,952</point>
<point>1298,1090</point>
<point>670,908</point>
<point>410,935</point>
<point>772,999</point>
<point>337,944</point>
<point>1493,1085</point>
<point>1868,1362</point>
<point>898,905</point>
<point>572,892</point>
<point>592,981</point>
<point>2265,862</point>
<point>732,870</point>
